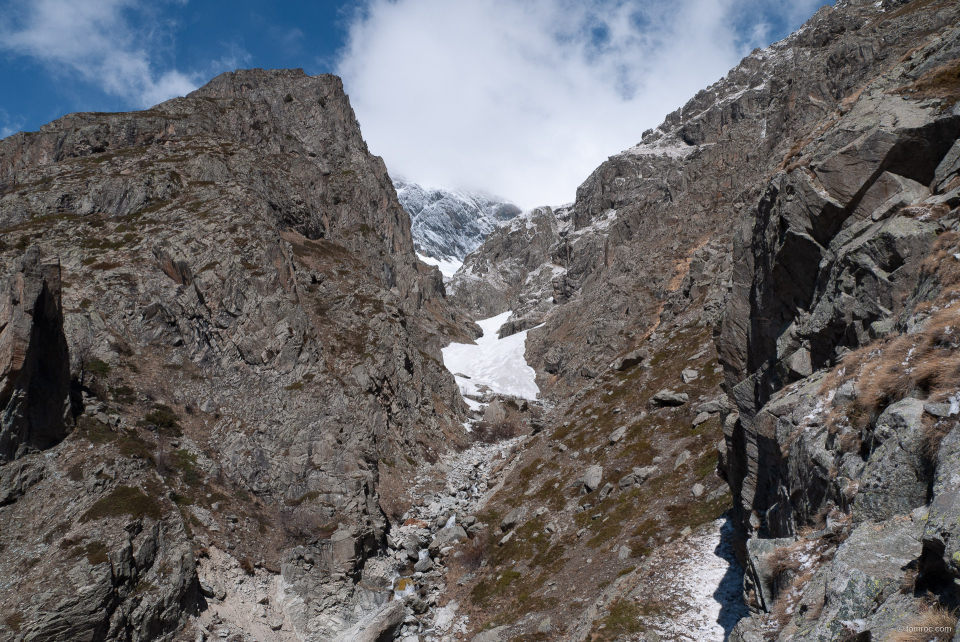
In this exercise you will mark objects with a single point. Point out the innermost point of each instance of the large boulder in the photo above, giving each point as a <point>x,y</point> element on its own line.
<point>513,518</point>
<point>382,624</point>
<point>894,481</point>
<point>866,572</point>
<point>447,537</point>
<point>34,359</point>
<point>592,478</point>
<point>669,398</point>
<point>941,534</point>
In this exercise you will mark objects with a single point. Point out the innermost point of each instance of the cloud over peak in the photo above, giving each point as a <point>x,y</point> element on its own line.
<point>525,97</point>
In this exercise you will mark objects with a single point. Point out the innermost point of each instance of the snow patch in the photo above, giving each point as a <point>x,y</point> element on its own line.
<point>447,267</point>
<point>495,365</point>
<point>710,584</point>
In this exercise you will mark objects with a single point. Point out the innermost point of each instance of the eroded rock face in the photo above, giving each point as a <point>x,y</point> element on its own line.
<point>832,258</point>
<point>654,226</point>
<point>34,364</point>
<point>842,273</point>
<point>238,266</point>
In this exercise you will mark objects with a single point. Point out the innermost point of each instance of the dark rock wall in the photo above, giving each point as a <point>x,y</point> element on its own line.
<point>34,364</point>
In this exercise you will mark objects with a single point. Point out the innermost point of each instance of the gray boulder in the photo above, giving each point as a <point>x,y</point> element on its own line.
<point>492,635</point>
<point>894,481</point>
<point>447,537</point>
<point>605,491</point>
<point>377,626</point>
<point>513,518</point>
<point>941,534</point>
<point>631,359</point>
<point>867,570</point>
<point>592,478</point>
<point>423,565</point>
<point>669,398</point>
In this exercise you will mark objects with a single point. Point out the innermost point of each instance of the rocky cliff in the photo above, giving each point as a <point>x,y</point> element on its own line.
<point>837,351</point>
<point>650,217</point>
<point>231,283</point>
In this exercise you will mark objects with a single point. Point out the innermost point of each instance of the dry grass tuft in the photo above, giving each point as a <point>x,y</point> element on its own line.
<point>931,437</point>
<point>473,553</point>
<point>936,624</point>
<point>783,559</point>
<point>942,82</point>
<point>850,442</point>
<point>786,604</point>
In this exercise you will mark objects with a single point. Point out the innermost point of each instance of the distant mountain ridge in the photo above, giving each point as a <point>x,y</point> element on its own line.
<point>449,224</point>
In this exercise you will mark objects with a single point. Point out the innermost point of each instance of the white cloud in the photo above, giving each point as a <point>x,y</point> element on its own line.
<point>9,126</point>
<point>97,40</point>
<point>525,98</point>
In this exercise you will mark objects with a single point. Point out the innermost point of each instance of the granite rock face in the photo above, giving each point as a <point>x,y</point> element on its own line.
<point>833,348</point>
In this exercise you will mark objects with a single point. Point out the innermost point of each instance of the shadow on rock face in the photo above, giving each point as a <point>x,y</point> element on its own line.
<point>34,360</point>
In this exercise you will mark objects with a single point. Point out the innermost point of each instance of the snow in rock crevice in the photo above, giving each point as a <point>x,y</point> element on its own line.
<point>493,365</point>
<point>448,267</point>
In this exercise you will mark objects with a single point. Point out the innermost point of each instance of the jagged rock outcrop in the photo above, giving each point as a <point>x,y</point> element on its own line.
<point>448,225</point>
<point>257,335</point>
<point>831,260</point>
<point>834,354</point>
<point>34,364</point>
<point>514,270</point>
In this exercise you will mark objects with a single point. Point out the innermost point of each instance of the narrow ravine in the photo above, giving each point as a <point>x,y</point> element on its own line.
<point>437,521</point>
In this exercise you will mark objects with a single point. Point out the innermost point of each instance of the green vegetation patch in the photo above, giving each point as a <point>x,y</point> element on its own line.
<point>186,462</point>
<point>95,552</point>
<point>128,442</point>
<point>98,368</point>
<point>124,500</point>
<point>492,587</point>
<point>623,620</point>
<point>163,417</point>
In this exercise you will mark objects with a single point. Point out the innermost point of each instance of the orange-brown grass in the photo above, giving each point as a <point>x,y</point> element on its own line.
<point>928,362</point>
<point>931,437</point>
<point>936,623</point>
<point>850,442</point>
<point>785,605</point>
<point>925,364</point>
<point>783,559</point>
<point>940,260</point>
<point>942,82</point>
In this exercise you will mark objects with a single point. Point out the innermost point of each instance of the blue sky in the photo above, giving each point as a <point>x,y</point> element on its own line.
<point>518,97</point>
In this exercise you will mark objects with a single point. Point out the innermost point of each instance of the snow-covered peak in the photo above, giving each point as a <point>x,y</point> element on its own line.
<point>449,224</point>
